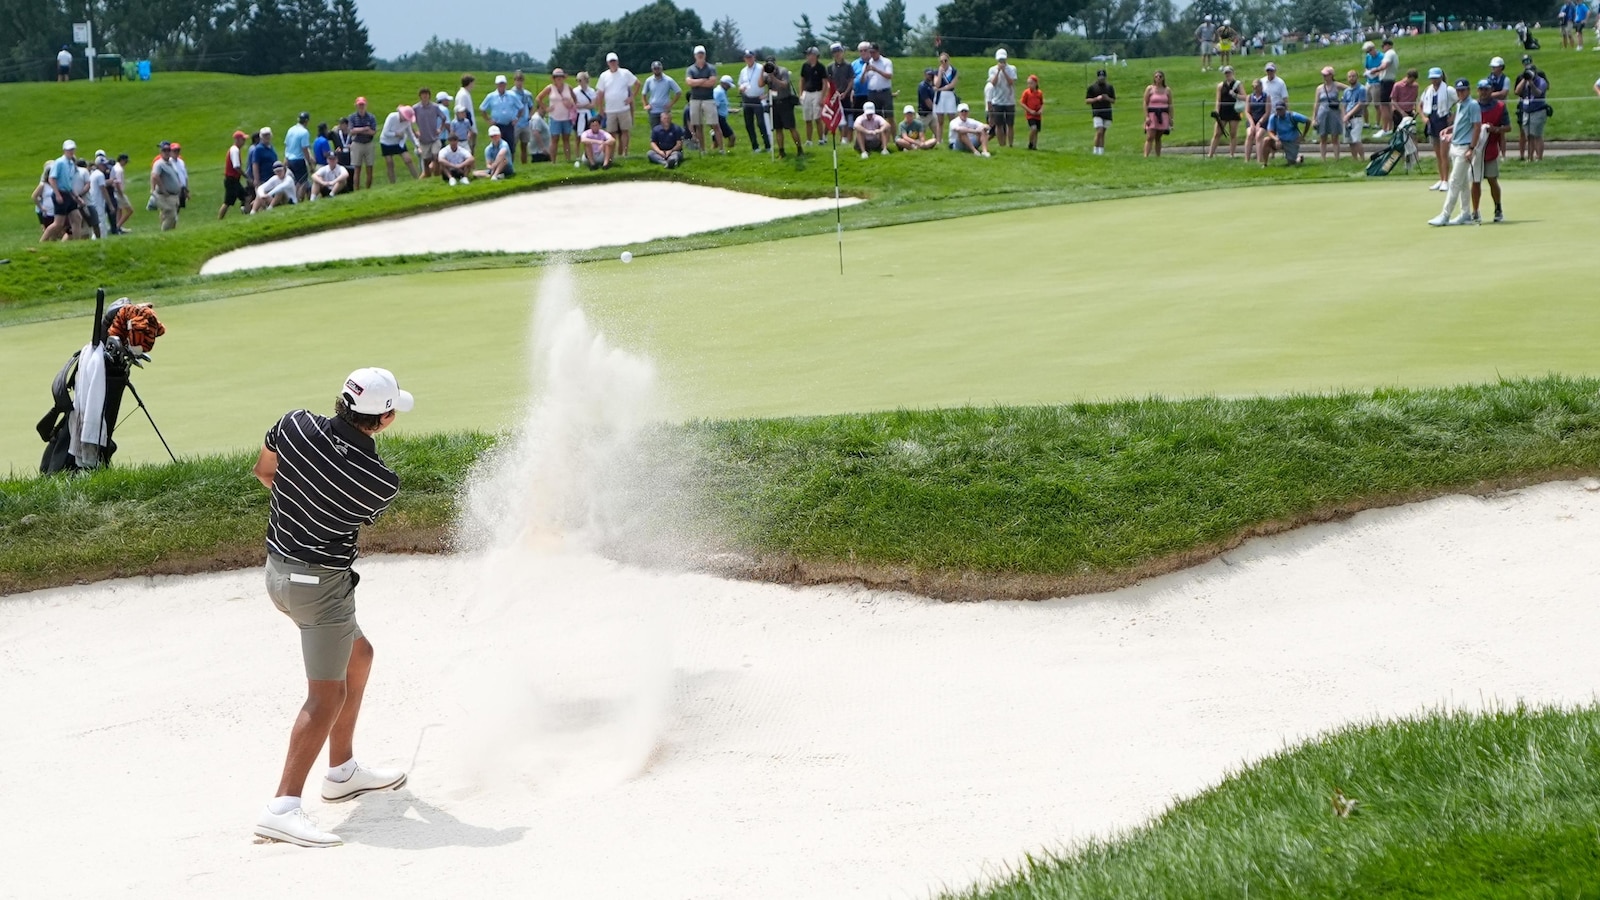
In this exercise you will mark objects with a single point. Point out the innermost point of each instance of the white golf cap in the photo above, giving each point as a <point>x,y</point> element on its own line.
<point>499,79</point>
<point>69,145</point>
<point>699,49</point>
<point>611,57</point>
<point>494,130</point>
<point>1368,45</point>
<point>373,392</point>
<point>1000,54</point>
<point>963,108</point>
<point>265,129</point>
<point>910,109</point>
<point>869,107</point>
<point>443,97</point>
<point>1497,61</point>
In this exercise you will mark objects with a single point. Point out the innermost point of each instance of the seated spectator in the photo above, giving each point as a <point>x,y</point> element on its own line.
<point>497,156</point>
<point>666,143</point>
<point>872,131</point>
<point>912,134</point>
<point>455,162</point>
<point>277,190</point>
<point>539,144</point>
<point>968,134</point>
<point>1283,132</point>
<point>330,179</point>
<point>599,146</point>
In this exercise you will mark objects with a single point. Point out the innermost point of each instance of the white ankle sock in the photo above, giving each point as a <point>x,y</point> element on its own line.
<point>342,773</point>
<point>280,805</point>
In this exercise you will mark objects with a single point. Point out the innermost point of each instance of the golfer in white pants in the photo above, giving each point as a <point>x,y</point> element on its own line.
<point>1462,136</point>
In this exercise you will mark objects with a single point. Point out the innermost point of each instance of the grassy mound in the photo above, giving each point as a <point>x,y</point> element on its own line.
<point>1032,501</point>
<point>1502,804</point>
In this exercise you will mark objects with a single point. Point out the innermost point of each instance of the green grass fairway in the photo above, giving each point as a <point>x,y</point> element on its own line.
<point>1261,290</point>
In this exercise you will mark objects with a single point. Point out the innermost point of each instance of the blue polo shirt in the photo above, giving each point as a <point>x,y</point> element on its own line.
<point>668,139</point>
<point>1287,126</point>
<point>658,92</point>
<point>493,150</point>
<point>1467,115</point>
<point>1353,96</point>
<point>65,172</point>
<point>859,66</point>
<point>526,113</point>
<point>502,107</point>
<point>719,95</point>
<point>295,142</point>
<point>320,148</point>
<point>262,158</point>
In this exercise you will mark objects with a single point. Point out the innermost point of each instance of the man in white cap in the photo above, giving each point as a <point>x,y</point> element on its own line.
<point>503,108</point>
<point>620,90</point>
<point>968,134</point>
<point>1206,36</point>
<point>872,131</point>
<point>326,481</point>
<point>497,155</point>
<point>64,190</point>
<point>701,77</point>
<point>1276,90</point>
<point>1003,106</point>
<point>912,134</point>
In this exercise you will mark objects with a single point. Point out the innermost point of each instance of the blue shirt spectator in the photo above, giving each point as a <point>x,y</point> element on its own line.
<point>1286,126</point>
<point>1468,114</point>
<point>859,66</point>
<point>320,148</point>
<point>503,108</point>
<point>658,91</point>
<point>492,151</point>
<point>1353,96</point>
<point>925,97</point>
<point>65,172</point>
<point>668,137</point>
<point>263,158</point>
<point>719,95</point>
<point>462,128</point>
<point>296,141</point>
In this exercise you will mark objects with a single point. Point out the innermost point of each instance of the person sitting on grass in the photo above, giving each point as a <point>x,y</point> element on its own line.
<point>911,134</point>
<point>872,131</point>
<point>455,162</point>
<point>538,146</point>
<point>1283,133</point>
<point>497,156</point>
<point>277,190</point>
<point>599,146</point>
<point>666,142</point>
<point>330,179</point>
<point>968,134</point>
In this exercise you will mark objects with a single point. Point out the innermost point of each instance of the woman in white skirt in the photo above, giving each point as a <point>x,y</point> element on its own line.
<point>583,99</point>
<point>944,94</point>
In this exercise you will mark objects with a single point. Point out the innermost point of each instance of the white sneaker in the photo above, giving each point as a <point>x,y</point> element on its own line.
<point>1379,134</point>
<point>1463,219</point>
<point>1438,186</point>
<point>364,781</point>
<point>984,154</point>
<point>1440,219</point>
<point>499,178</point>
<point>294,827</point>
<point>865,154</point>
<point>453,181</point>
<point>884,152</point>
<point>465,180</point>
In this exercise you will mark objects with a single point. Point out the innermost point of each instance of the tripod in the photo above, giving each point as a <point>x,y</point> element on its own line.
<point>146,410</point>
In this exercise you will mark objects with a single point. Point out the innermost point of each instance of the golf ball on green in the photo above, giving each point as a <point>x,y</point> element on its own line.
<point>627,256</point>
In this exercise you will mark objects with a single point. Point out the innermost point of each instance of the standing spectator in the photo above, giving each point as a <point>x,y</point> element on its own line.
<point>262,157</point>
<point>1388,73</point>
<point>666,142</point>
<point>429,124</point>
<point>455,161</point>
<point>363,131</point>
<point>584,97</point>
<point>1227,114</point>
<point>166,185</point>
<point>1206,36</point>
<point>843,76</point>
<point>912,134</point>
<point>447,113</point>
<point>1353,105</point>
<point>497,156</point>
<point>599,146</point>
<point>968,134</point>
<point>871,131</point>
<point>64,64</point>
<point>926,96</point>
<point>44,202</point>
<point>519,86</point>
<point>1372,65</point>
<point>464,102</point>
<point>878,73</point>
<point>1491,146</point>
<point>812,74</point>
<point>1580,20</point>
<point>778,80</point>
<point>461,127</point>
<point>719,96</point>
<point>944,89</point>
<point>1283,132</point>
<point>330,179</point>
<point>620,89</point>
<point>1462,135</point>
<point>858,87</point>
<point>343,143</point>
<point>1275,88</point>
<point>1100,98</point>
<point>1403,99</point>
<point>276,190</point>
<point>1033,107</point>
<point>99,198</point>
<point>1003,114</point>
<point>1227,37</point>
<point>1436,106</point>
<point>1532,110</point>
<point>1499,82</point>
<point>1564,19</point>
<point>538,144</point>
<point>322,147</point>
<point>233,177</point>
<point>1157,112</point>
<point>503,109</point>
<point>393,139</point>
<point>562,103</point>
<point>659,92</point>
<point>119,183</point>
<point>1326,115</point>
<point>752,93</point>
<point>183,174</point>
<point>702,80</point>
<point>297,154</point>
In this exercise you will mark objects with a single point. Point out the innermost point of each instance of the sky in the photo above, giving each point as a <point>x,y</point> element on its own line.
<point>402,26</point>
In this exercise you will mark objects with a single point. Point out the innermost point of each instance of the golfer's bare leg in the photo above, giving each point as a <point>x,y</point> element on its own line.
<point>341,739</point>
<point>323,702</point>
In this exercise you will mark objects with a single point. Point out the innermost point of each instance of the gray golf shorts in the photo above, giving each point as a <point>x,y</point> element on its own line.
<point>322,602</point>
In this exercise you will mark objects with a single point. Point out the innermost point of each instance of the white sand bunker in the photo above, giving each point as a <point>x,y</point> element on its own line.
<point>569,218</point>
<point>816,743</point>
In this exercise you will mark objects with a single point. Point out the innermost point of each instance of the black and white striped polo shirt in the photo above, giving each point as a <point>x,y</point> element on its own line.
<point>330,482</point>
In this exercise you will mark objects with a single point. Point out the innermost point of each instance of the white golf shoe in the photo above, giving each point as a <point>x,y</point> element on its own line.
<point>1437,186</point>
<point>453,181</point>
<point>1463,219</point>
<point>364,781</point>
<point>294,827</point>
<point>1440,219</point>
<point>465,180</point>
<point>865,155</point>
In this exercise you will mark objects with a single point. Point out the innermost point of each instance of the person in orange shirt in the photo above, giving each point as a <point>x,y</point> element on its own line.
<point>1033,107</point>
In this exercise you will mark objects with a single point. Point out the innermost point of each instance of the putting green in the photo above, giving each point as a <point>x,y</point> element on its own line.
<point>1261,290</point>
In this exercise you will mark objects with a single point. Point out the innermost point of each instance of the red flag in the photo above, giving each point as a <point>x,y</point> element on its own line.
<point>832,109</point>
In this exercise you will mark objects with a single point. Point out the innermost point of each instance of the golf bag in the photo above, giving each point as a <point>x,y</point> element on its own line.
<point>1402,145</point>
<point>87,391</point>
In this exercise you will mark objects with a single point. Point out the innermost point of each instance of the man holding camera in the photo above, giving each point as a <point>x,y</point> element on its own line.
<point>778,80</point>
<point>752,94</point>
<point>877,71</point>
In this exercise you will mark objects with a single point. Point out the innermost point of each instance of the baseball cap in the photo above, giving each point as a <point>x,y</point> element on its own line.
<point>407,113</point>
<point>1327,70</point>
<point>812,51</point>
<point>499,79</point>
<point>69,145</point>
<point>1497,61</point>
<point>444,96</point>
<point>1271,67</point>
<point>1368,45</point>
<point>374,392</point>
<point>1435,72</point>
<point>869,107</point>
<point>494,129</point>
<point>929,72</point>
<point>176,145</point>
<point>656,64</point>
<point>835,47</point>
<point>1462,84</point>
<point>558,73</point>
<point>909,109</point>
<point>239,134</point>
<point>611,57</point>
<point>1228,69</point>
<point>1280,105</point>
<point>1483,84</point>
<point>963,108</point>
<point>279,165</point>
<point>1526,58</point>
<point>727,79</point>
<point>1000,54</point>
<point>305,116</point>
<point>361,101</point>
<point>699,49</point>
<point>749,53</point>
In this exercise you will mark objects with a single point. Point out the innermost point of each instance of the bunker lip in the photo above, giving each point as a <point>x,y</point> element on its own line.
<point>571,218</point>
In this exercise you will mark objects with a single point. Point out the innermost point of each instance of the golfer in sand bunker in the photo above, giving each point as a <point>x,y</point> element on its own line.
<point>326,482</point>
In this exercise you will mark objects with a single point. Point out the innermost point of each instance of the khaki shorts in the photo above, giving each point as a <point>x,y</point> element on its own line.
<point>810,105</point>
<point>363,154</point>
<point>702,112</point>
<point>322,602</point>
<point>616,123</point>
<point>428,151</point>
<point>1482,168</point>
